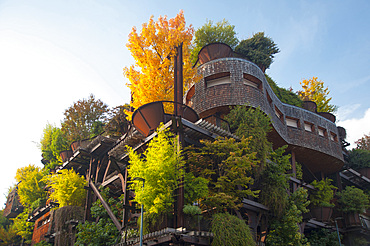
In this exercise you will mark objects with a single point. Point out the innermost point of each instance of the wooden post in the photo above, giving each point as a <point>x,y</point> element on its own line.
<point>294,169</point>
<point>178,96</point>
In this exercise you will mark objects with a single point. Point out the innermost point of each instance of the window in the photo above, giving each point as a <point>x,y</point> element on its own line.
<point>252,81</point>
<point>268,98</point>
<point>309,127</point>
<point>292,122</point>
<point>278,113</point>
<point>322,132</point>
<point>333,137</point>
<point>218,79</point>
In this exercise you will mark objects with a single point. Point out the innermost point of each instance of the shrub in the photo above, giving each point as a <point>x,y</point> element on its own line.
<point>353,200</point>
<point>230,230</point>
<point>324,193</point>
<point>68,188</point>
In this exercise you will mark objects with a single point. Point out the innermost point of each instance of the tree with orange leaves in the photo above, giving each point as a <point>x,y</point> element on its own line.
<point>314,90</point>
<point>151,77</point>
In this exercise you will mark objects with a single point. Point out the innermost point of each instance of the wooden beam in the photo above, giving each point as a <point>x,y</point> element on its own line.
<point>106,206</point>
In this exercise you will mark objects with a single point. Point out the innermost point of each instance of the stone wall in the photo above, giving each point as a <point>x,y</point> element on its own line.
<point>208,100</point>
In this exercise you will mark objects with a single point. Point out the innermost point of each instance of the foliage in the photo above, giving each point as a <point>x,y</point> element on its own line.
<point>323,237</point>
<point>314,90</point>
<point>42,243</point>
<point>353,200</point>
<point>102,232</point>
<point>22,227</point>
<point>118,123</point>
<point>52,143</point>
<point>230,230</point>
<point>221,32</point>
<point>31,185</point>
<point>359,158</point>
<point>4,222</point>
<point>259,49</point>
<point>254,123</point>
<point>196,188</point>
<point>38,203</point>
<point>153,49</point>
<point>285,230</point>
<point>161,168</point>
<point>274,182</point>
<point>363,143</point>
<point>84,119</point>
<point>284,95</point>
<point>8,236</point>
<point>192,210</point>
<point>299,171</point>
<point>227,165</point>
<point>323,193</point>
<point>68,188</point>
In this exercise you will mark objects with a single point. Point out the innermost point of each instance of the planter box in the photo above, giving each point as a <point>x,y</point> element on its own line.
<point>352,219</point>
<point>80,144</point>
<point>365,171</point>
<point>322,214</point>
<point>65,155</point>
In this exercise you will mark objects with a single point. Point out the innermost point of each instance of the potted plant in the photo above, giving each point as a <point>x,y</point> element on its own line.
<point>321,199</point>
<point>192,217</point>
<point>353,201</point>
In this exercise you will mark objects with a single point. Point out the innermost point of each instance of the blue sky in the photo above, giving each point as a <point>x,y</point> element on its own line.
<point>53,53</point>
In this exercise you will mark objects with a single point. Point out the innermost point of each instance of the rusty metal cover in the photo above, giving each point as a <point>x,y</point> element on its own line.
<point>147,118</point>
<point>310,105</point>
<point>214,51</point>
<point>328,116</point>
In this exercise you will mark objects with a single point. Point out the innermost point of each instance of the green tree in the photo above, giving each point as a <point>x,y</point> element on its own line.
<point>52,143</point>
<point>359,158</point>
<point>68,188</point>
<point>227,165</point>
<point>161,167</point>
<point>353,200</point>
<point>8,234</point>
<point>274,182</point>
<point>285,230</point>
<point>22,227</point>
<point>258,49</point>
<point>230,230</point>
<point>314,90</point>
<point>284,95</point>
<point>102,231</point>
<point>31,185</point>
<point>254,123</point>
<point>84,119</point>
<point>221,32</point>
<point>323,237</point>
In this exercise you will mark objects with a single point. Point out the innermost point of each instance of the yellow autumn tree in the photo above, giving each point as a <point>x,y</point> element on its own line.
<point>314,90</point>
<point>152,75</point>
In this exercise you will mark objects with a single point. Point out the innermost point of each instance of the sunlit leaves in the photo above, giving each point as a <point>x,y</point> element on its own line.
<point>160,167</point>
<point>31,185</point>
<point>153,48</point>
<point>221,32</point>
<point>227,165</point>
<point>314,90</point>
<point>68,188</point>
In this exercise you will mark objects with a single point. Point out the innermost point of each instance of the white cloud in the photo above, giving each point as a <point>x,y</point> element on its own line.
<point>345,112</point>
<point>356,127</point>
